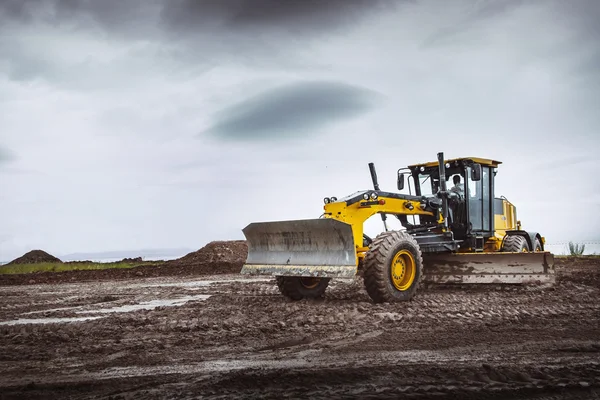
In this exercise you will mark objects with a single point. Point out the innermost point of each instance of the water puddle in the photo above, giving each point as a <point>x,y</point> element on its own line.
<point>147,305</point>
<point>23,321</point>
<point>144,305</point>
<point>193,284</point>
<point>206,366</point>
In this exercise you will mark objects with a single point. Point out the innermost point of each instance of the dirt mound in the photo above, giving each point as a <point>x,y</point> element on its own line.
<point>215,258</point>
<point>35,257</point>
<point>581,270</point>
<point>218,257</point>
<point>132,260</point>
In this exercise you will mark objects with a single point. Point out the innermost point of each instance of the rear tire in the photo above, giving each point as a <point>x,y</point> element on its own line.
<point>515,244</point>
<point>537,246</point>
<point>393,267</point>
<point>299,287</point>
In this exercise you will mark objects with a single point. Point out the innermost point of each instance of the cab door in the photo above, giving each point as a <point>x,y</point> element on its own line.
<point>479,198</point>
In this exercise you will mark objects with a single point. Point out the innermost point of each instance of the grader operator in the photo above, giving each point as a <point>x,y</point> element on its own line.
<point>462,235</point>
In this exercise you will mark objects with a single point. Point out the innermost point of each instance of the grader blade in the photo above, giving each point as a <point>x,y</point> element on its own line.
<point>489,268</point>
<point>310,248</point>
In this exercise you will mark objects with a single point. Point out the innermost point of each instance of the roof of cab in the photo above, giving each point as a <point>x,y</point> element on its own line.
<point>482,161</point>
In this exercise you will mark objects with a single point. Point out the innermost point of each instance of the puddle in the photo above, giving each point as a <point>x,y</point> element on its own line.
<point>144,305</point>
<point>205,366</point>
<point>194,283</point>
<point>147,305</point>
<point>23,321</point>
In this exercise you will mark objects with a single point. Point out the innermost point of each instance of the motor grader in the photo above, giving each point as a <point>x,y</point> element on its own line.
<point>461,235</point>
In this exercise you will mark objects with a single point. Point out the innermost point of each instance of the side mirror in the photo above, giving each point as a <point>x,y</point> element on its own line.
<point>476,172</point>
<point>400,181</point>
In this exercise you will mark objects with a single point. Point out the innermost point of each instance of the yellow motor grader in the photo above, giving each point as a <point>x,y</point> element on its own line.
<point>463,234</point>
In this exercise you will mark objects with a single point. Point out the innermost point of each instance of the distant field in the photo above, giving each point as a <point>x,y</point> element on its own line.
<point>71,266</point>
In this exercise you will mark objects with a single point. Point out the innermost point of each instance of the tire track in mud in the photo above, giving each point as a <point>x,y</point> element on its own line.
<point>263,312</point>
<point>421,381</point>
<point>438,345</point>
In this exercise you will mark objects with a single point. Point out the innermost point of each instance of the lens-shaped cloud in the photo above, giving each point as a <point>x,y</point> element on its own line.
<point>294,109</point>
<point>6,155</point>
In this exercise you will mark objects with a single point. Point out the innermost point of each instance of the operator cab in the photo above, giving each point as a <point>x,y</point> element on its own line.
<point>470,201</point>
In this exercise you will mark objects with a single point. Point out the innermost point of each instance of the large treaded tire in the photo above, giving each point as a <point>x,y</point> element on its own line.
<point>293,288</point>
<point>515,244</point>
<point>377,267</point>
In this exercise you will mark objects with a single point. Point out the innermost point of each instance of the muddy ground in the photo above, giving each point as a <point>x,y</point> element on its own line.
<point>225,336</point>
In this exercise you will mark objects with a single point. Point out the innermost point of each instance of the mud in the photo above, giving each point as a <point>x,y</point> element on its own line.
<point>582,269</point>
<point>34,257</point>
<point>217,257</point>
<point>138,272</point>
<point>214,258</point>
<point>228,336</point>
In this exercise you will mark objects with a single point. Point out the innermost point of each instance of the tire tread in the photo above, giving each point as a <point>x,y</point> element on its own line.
<point>291,288</point>
<point>375,278</point>
<point>514,243</point>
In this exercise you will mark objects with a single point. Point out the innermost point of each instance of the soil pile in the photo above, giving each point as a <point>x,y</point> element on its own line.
<point>132,260</point>
<point>217,257</point>
<point>580,270</point>
<point>35,257</point>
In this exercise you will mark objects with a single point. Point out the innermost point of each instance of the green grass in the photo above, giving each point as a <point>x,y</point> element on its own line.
<point>61,267</point>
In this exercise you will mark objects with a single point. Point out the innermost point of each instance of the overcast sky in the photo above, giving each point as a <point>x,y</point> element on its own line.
<point>158,124</point>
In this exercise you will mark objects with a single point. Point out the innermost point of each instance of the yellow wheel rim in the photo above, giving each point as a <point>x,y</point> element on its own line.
<point>403,270</point>
<point>309,283</point>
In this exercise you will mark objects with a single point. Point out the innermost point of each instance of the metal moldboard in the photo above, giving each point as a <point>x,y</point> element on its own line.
<point>315,247</point>
<point>511,268</point>
<point>329,271</point>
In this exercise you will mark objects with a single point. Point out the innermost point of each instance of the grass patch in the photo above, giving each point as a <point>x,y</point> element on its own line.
<point>75,266</point>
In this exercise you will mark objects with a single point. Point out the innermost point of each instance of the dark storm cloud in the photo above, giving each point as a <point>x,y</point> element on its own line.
<point>307,16</point>
<point>23,10</point>
<point>291,110</point>
<point>202,16</point>
<point>107,13</point>
<point>184,34</point>
<point>580,14</point>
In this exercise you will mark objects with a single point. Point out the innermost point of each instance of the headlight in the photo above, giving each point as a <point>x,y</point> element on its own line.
<point>447,165</point>
<point>374,196</point>
<point>422,169</point>
<point>366,196</point>
<point>327,200</point>
<point>333,199</point>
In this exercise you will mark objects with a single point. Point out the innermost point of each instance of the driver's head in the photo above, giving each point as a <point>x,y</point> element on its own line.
<point>456,179</point>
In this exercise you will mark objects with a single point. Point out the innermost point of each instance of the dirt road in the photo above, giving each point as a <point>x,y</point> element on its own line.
<point>226,337</point>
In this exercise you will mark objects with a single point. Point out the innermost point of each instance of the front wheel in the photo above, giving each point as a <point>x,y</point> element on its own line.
<point>393,267</point>
<point>300,287</point>
<point>515,244</point>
